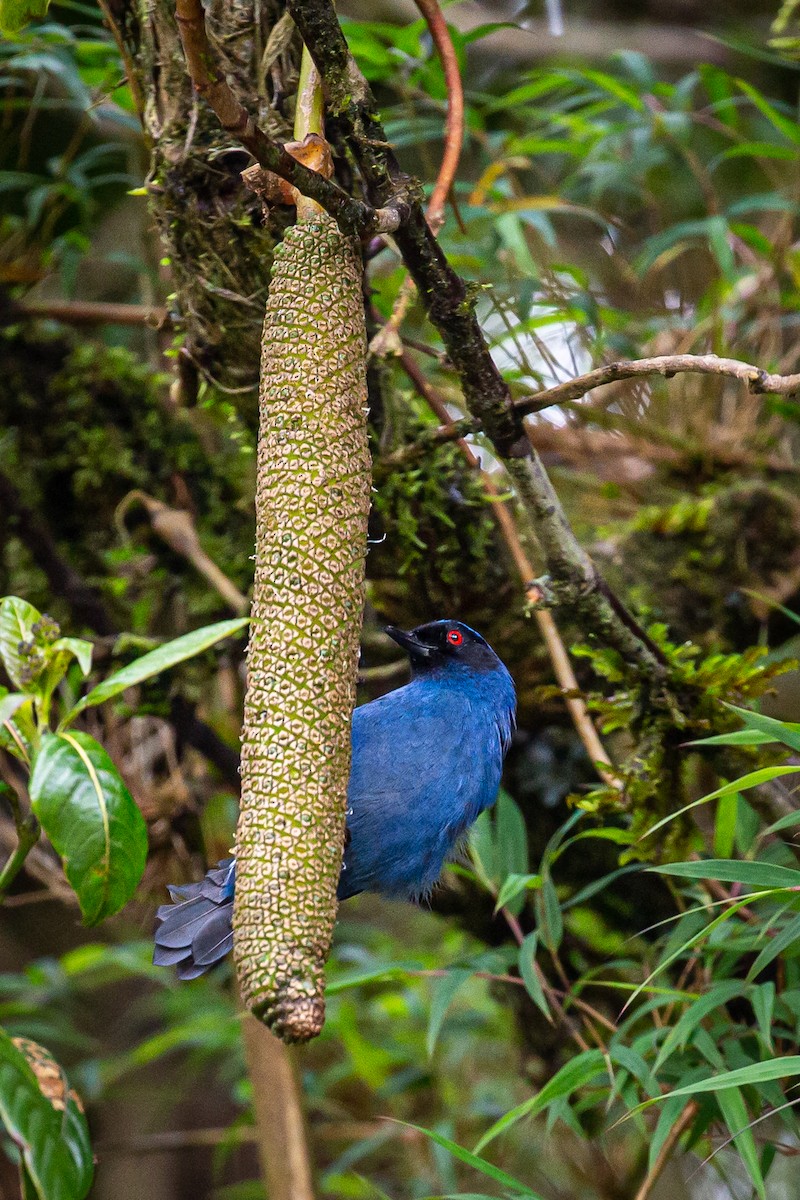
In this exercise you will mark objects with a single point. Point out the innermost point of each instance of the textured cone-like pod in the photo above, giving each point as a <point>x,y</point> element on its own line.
<point>312,504</point>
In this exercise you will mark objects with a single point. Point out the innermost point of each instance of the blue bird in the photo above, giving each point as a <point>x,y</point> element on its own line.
<point>427,760</point>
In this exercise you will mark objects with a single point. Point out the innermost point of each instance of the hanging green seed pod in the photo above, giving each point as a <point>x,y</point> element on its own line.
<point>312,503</point>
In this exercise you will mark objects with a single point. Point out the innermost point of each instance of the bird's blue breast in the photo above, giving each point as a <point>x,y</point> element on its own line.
<point>427,760</point>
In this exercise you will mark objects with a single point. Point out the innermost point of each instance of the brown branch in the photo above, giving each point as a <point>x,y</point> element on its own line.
<point>92,312</point>
<point>454,121</point>
<point>759,382</point>
<point>282,1144</point>
<point>352,215</point>
<point>654,1174</point>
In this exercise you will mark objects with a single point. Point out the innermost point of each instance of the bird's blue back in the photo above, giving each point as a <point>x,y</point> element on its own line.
<point>427,760</point>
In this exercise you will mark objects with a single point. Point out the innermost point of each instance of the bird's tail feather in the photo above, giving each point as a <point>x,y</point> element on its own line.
<point>195,931</point>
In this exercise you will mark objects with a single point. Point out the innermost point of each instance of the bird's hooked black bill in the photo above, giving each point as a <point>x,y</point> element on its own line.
<point>409,642</point>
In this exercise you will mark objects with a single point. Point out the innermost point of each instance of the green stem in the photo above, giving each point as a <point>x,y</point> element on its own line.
<point>309,118</point>
<point>28,830</point>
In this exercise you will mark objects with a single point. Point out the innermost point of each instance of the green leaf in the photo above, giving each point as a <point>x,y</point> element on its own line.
<point>576,1073</point>
<point>91,818</point>
<point>753,779</point>
<point>526,962</point>
<point>513,885</point>
<point>755,1073</point>
<point>739,737</point>
<point>512,837</point>
<point>9,705</point>
<point>17,618</point>
<point>548,914</point>
<point>696,1012</point>
<point>444,993</point>
<point>737,1119</point>
<point>762,999</point>
<point>775,946</point>
<point>725,826</point>
<point>783,124</point>
<point>78,649</point>
<point>473,1160</point>
<point>44,1119</point>
<point>15,14</point>
<point>786,732</point>
<point>157,661</point>
<point>732,870</point>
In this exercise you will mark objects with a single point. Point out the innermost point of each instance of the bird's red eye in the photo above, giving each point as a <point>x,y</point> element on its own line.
<point>455,638</point>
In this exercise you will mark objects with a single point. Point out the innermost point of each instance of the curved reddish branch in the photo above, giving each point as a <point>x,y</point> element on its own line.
<point>454,122</point>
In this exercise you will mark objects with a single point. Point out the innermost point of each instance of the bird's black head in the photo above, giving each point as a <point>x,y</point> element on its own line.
<point>443,644</point>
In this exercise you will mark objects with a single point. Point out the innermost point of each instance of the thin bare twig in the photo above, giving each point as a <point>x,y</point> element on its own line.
<point>758,381</point>
<point>385,341</point>
<point>96,312</point>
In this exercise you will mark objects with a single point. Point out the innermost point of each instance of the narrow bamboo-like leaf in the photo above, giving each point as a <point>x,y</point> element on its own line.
<point>762,999</point>
<point>527,969</point>
<point>753,779</point>
<point>725,826</point>
<point>513,885</point>
<point>511,837</point>
<point>92,820</point>
<point>17,618</point>
<point>787,732</point>
<point>576,1073</point>
<point>739,737</point>
<point>759,1072</point>
<point>474,1160</point>
<point>157,661</point>
<point>44,1118</point>
<point>733,870</point>
<point>696,1012</point>
<point>548,914</point>
<point>776,945</point>
<point>444,993</point>
<point>737,1119</point>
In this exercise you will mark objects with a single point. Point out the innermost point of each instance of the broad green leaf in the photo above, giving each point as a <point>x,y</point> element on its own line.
<point>579,1071</point>
<point>44,1119</point>
<point>9,705</point>
<point>526,962</point>
<point>157,661</point>
<point>92,820</point>
<point>77,648</point>
<point>474,1160</point>
<point>444,993</point>
<point>753,779</point>
<point>482,850</point>
<point>732,870</point>
<point>17,618</point>
<point>737,1119</point>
